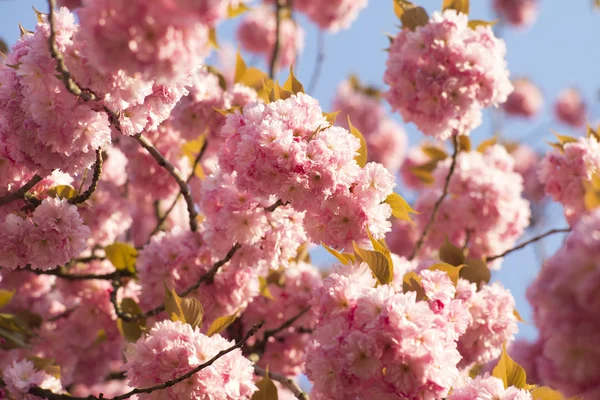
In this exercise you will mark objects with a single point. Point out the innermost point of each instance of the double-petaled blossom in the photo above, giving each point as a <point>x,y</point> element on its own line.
<point>525,101</point>
<point>518,13</point>
<point>570,108</point>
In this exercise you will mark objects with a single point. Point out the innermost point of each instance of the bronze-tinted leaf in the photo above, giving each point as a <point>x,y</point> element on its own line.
<point>192,311</point>
<point>511,373</point>
<point>361,157</point>
<point>131,331</point>
<point>476,271</point>
<point>377,262</point>
<point>461,6</point>
<point>221,323</point>
<point>122,256</point>
<point>266,389</point>
<point>451,254</point>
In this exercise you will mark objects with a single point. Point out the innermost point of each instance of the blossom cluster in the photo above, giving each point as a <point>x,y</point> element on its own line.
<point>171,349</point>
<point>484,207</point>
<point>22,375</point>
<point>382,341</point>
<point>386,140</point>
<point>565,173</point>
<point>487,387</point>
<point>442,74</point>
<point>288,149</point>
<point>565,305</point>
<point>525,101</point>
<point>519,13</point>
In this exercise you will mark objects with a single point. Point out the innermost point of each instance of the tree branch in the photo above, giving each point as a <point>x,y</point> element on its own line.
<point>95,179</point>
<point>316,74</point>
<point>208,277</point>
<point>183,186</point>
<point>439,201</point>
<point>532,240</point>
<point>47,394</point>
<point>260,346</point>
<point>63,274</point>
<point>20,193</point>
<point>279,5</point>
<point>285,381</point>
<point>275,205</point>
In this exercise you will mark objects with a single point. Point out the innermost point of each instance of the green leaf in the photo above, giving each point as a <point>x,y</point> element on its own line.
<point>476,271</point>
<point>122,256</point>
<point>237,10</point>
<point>65,192</point>
<point>400,208</point>
<point>451,254</point>
<point>511,373</point>
<point>131,331</point>
<point>292,84</point>
<point>377,262</point>
<point>266,389</point>
<point>450,270</point>
<point>6,296</point>
<point>344,258</point>
<point>474,23</point>
<point>264,288</point>
<point>461,6</point>
<point>361,158</point>
<point>221,323</point>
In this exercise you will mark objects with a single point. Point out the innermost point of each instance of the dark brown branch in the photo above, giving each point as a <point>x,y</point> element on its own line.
<point>208,277</point>
<point>275,205</point>
<point>63,274</point>
<point>316,74</point>
<point>61,67</point>
<point>21,192</point>
<point>279,7</point>
<point>260,346</point>
<point>439,201</point>
<point>47,394</point>
<point>183,186</point>
<point>95,179</point>
<point>532,240</point>
<point>285,381</point>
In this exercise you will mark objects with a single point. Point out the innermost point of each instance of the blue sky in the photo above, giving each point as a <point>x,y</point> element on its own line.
<point>559,50</point>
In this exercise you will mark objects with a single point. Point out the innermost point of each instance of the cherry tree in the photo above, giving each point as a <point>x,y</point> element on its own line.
<point>158,212</point>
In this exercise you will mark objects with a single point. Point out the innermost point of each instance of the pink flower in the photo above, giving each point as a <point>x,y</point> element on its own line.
<point>518,13</point>
<point>331,15</point>
<point>171,349</point>
<point>527,162</point>
<point>487,387</point>
<point>570,108</point>
<point>22,376</point>
<point>443,74</point>
<point>526,100</point>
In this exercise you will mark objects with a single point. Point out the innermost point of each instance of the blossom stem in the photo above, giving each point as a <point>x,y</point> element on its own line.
<point>279,6</point>
<point>316,74</point>
<point>47,394</point>
<point>284,380</point>
<point>95,179</point>
<point>439,201</point>
<point>20,193</point>
<point>532,240</point>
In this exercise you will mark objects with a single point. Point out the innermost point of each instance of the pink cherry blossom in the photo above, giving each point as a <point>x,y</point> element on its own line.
<point>331,15</point>
<point>518,13</point>
<point>525,101</point>
<point>487,387</point>
<point>570,108</point>
<point>22,376</point>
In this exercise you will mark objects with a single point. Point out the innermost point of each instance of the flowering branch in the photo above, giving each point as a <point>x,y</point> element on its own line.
<point>207,277</point>
<point>20,193</point>
<point>439,201</point>
<point>47,394</point>
<point>285,381</point>
<point>94,185</point>
<point>61,67</point>
<point>183,186</point>
<point>63,274</point>
<point>279,6</point>
<point>532,240</point>
<point>316,74</point>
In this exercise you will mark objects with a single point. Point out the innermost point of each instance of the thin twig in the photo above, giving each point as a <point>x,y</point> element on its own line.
<point>439,201</point>
<point>47,394</point>
<point>61,67</point>
<point>207,277</point>
<point>260,346</point>
<point>279,5</point>
<point>20,193</point>
<point>285,381</point>
<point>162,219</point>
<point>95,179</point>
<point>316,74</point>
<point>183,186</point>
<point>532,240</point>
<point>275,205</point>
<point>63,274</point>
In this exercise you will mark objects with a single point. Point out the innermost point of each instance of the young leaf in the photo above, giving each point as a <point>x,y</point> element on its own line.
<point>591,132</point>
<point>400,208</point>
<point>218,74</point>
<point>122,256</point>
<point>331,117</point>
<point>192,311</point>
<point>461,6</point>
<point>511,373</point>
<point>263,288</point>
<point>361,158</point>
<point>410,15</point>
<point>39,15</point>
<point>476,271</point>
<point>518,316</point>
<point>451,254</point>
<point>381,247</point>
<point>344,258</point>
<point>266,389</point>
<point>240,67</point>
<point>591,198</point>
<point>377,262</point>
<point>423,175</point>
<point>292,84</point>
<point>192,148</point>
<point>486,144</point>
<point>212,38</point>
<point>173,305</point>
<point>434,152</point>
<point>6,296</point>
<point>564,139</point>
<point>450,270</point>
<point>221,323</point>
<point>545,393</point>
<point>47,365</point>
<point>474,23</point>
<point>131,331</point>
<point>464,143</point>
<point>62,192</point>
<point>411,282</point>
<point>237,10</point>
